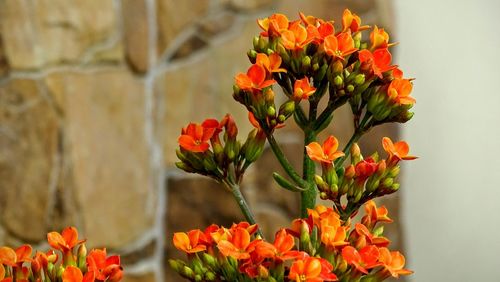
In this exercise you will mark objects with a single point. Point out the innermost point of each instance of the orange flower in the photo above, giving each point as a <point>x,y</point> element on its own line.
<point>65,241</point>
<point>74,274</point>
<point>339,46</point>
<point>365,259</point>
<point>374,214</point>
<point>377,62</point>
<point>255,78</point>
<point>352,21</point>
<point>271,63</point>
<point>379,38</point>
<point>326,153</point>
<point>311,269</point>
<point>302,89</point>
<point>333,236</point>
<point>400,90</point>
<point>273,25</point>
<point>393,262</point>
<point>238,246</point>
<point>396,151</point>
<point>195,137</point>
<point>104,268</point>
<point>190,242</point>
<point>361,237</point>
<point>8,256</point>
<point>295,38</point>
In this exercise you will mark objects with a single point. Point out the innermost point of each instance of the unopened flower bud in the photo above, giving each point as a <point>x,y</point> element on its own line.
<point>287,108</point>
<point>262,44</point>
<point>255,42</point>
<point>382,165</point>
<point>395,187</point>
<point>323,196</point>
<point>337,81</point>
<point>269,95</point>
<point>350,172</point>
<point>372,184</point>
<point>388,182</point>
<point>394,171</point>
<point>281,118</point>
<point>60,271</point>
<point>355,153</point>
<point>306,63</point>
<point>378,231</point>
<point>315,67</point>
<point>210,276</point>
<point>271,111</point>
<point>187,272</point>
<point>350,88</point>
<point>82,256</point>
<point>359,79</point>
<point>252,55</point>
<point>337,67</point>
<point>176,265</point>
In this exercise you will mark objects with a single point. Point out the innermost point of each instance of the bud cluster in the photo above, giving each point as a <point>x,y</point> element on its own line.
<point>203,151</point>
<point>66,261</point>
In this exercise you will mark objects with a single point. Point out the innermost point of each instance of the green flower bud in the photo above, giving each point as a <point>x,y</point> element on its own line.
<point>281,118</point>
<point>210,276</point>
<point>395,187</point>
<point>359,79</point>
<point>187,272</point>
<point>287,109</point>
<point>350,88</point>
<point>378,231</point>
<point>271,111</point>
<point>337,81</point>
<point>255,42</point>
<point>176,265</point>
<point>337,67</point>
<point>306,63</point>
<point>185,167</point>
<point>315,67</point>
<point>252,55</point>
<point>262,44</point>
<point>394,172</point>
<point>388,182</point>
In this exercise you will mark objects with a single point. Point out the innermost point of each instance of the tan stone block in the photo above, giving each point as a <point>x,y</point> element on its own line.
<point>202,88</point>
<point>104,114</point>
<point>249,5</point>
<point>29,144</point>
<point>174,16</point>
<point>146,277</point>
<point>38,33</point>
<point>4,66</point>
<point>136,32</point>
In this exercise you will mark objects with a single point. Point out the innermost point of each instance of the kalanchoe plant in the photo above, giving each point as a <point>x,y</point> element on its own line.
<point>67,260</point>
<point>310,61</point>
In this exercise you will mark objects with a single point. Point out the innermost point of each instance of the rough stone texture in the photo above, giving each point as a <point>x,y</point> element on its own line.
<point>136,33</point>
<point>174,16</point>
<point>249,5</point>
<point>28,151</point>
<point>147,277</point>
<point>197,90</point>
<point>4,67</point>
<point>104,118</point>
<point>37,33</point>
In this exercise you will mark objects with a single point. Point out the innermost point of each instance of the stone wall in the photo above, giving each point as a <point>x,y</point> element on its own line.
<point>93,94</point>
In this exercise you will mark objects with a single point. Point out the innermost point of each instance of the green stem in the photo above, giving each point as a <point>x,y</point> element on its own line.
<point>308,197</point>
<point>245,209</point>
<point>284,162</point>
<point>354,138</point>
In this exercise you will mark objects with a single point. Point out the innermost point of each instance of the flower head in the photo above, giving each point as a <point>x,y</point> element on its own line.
<point>377,62</point>
<point>393,262</point>
<point>397,151</point>
<point>271,63</point>
<point>195,137</point>
<point>65,241</point>
<point>400,90</point>
<point>295,37</point>
<point>190,242</point>
<point>379,38</point>
<point>364,259</point>
<point>351,21</point>
<point>273,25</point>
<point>326,153</point>
<point>255,78</point>
<point>339,46</point>
<point>302,89</point>
<point>311,269</point>
<point>104,268</point>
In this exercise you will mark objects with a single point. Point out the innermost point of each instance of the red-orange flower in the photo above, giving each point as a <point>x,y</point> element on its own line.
<point>302,89</point>
<point>195,137</point>
<point>339,46</point>
<point>365,168</point>
<point>400,90</point>
<point>396,151</point>
<point>377,62</point>
<point>375,214</point>
<point>271,63</point>
<point>255,78</point>
<point>393,262</point>
<point>238,246</point>
<point>104,268</point>
<point>273,25</point>
<point>191,242</point>
<point>65,241</point>
<point>352,21</point>
<point>311,269</point>
<point>379,38</point>
<point>366,258</point>
<point>295,37</point>
<point>326,153</point>
<point>74,274</point>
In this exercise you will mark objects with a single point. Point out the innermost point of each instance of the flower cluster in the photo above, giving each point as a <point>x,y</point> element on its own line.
<point>363,179</point>
<point>321,247</point>
<point>66,261</point>
<point>203,151</point>
<point>312,61</point>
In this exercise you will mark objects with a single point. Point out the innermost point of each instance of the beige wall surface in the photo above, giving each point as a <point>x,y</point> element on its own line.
<point>450,204</point>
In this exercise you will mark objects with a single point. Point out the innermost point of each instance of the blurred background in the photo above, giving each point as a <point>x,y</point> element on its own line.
<point>93,94</point>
